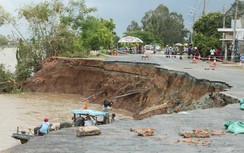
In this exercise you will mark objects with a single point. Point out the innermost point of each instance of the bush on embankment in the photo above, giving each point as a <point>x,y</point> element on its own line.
<point>7,83</point>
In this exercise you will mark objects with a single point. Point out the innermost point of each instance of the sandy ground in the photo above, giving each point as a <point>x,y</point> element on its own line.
<point>118,138</point>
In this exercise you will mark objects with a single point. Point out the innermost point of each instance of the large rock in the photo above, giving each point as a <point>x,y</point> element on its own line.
<point>87,131</point>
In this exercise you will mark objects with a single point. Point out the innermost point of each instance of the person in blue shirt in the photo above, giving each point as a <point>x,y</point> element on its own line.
<point>44,128</point>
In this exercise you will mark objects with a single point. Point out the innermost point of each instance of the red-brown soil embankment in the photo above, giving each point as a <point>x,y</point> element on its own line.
<point>143,89</point>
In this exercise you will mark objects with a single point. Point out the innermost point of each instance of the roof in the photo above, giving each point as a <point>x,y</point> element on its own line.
<point>130,39</point>
<point>89,112</point>
<point>228,29</point>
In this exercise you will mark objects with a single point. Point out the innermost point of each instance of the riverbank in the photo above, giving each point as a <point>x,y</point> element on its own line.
<point>118,138</point>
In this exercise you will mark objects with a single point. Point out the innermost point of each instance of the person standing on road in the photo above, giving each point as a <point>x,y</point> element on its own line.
<point>167,51</point>
<point>203,52</point>
<point>221,54</point>
<point>171,51</point>
<point>212,52</point>
<point>217,53</point>
<point>189,52</point>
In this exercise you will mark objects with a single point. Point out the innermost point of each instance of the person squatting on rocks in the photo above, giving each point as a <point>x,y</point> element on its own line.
<point>89,121</point>
<point>113,118</point>
<point>107,105</point>
<point>80,121</point>
<point>43,128</point>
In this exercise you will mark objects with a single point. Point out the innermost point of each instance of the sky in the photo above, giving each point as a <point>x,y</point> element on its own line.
<point>124,11</point>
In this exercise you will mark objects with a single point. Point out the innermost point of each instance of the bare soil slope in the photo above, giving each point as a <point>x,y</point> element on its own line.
<point>143,89</point>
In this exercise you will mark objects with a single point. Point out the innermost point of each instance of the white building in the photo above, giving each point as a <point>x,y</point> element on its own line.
<point>228,34</point>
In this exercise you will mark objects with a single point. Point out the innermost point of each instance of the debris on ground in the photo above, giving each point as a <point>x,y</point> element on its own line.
<point>199,141</point>
<point>198,136</point>
<point>143,132</point>
<point>206,133</point>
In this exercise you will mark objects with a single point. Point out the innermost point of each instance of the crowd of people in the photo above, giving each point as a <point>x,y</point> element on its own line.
<point>192,51</point>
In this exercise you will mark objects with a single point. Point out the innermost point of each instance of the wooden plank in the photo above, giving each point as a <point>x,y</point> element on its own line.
<point>127,94</point>
<point>91,96</point>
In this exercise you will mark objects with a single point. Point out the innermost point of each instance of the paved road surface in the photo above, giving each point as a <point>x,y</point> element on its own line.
<point>232,74</point>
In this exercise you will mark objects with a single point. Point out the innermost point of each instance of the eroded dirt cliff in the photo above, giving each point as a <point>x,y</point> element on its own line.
<point>143,89</point>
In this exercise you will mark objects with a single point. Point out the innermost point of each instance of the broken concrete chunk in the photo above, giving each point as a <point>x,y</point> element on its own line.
<point>87,131</point>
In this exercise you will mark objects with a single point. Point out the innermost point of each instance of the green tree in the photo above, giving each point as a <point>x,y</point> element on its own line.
<point>205,42</point>
<point>98,33</point>
<point>54,29</point>
<point>42,25</point>
<point>166,27</point>
<point>209,24</point>
<point>3,40</point>
<point>5,17</point>
<point>90,33</point>
<point>61,30</point>
<point>133,26</point>
<point>7,83</point>
<point>206,31</point>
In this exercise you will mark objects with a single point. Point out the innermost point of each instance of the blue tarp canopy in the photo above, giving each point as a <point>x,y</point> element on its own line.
<point>90,112</point>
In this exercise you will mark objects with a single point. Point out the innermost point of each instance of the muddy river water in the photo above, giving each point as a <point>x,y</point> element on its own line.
<point>27,110</point>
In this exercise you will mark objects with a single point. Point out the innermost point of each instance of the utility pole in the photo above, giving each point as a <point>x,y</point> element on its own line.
<point>223,36</point>
<point>204,8</point>
<point>234,49</point>
<point>224,46</point>
<point>193,21</point>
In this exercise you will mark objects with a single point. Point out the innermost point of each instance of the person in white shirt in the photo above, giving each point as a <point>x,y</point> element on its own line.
<point>212,51</point>
<point>88,121</point>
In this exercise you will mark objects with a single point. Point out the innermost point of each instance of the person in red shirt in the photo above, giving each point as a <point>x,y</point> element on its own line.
<point>217,52</point>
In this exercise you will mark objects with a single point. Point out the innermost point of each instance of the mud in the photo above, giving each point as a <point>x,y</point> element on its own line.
<point>143,89</point>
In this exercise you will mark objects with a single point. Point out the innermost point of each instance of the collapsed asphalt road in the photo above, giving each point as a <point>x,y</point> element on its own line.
<point>230,73</point>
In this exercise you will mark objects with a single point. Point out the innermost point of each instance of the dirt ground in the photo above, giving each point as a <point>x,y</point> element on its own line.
<point>117,137</point>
